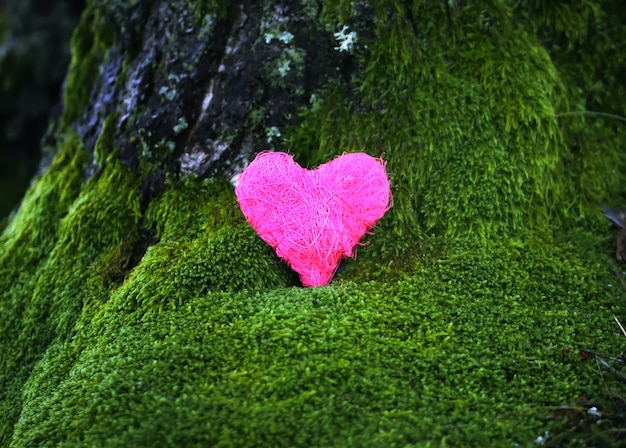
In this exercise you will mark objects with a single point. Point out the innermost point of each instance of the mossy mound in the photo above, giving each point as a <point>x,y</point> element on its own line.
<point>134,317</point>
<point>464,346</point>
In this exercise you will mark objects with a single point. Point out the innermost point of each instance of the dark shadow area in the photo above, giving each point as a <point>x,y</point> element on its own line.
<point>34,55</point>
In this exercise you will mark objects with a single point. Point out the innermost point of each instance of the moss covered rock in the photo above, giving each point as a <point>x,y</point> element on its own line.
<point>140,309</point>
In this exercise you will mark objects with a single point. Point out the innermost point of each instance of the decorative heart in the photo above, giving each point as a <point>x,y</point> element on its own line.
<point>313,218</point>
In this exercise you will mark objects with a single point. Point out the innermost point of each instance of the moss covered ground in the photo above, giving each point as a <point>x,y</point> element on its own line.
<point>168,322</point>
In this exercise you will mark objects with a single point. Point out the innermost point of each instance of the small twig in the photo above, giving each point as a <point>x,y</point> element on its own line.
<point>601,360</point>
<point>597,355</point>
<point>590,112</point>
<point>619,324</point>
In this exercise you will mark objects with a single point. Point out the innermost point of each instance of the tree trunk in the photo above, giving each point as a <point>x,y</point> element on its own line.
<point>139,308</point>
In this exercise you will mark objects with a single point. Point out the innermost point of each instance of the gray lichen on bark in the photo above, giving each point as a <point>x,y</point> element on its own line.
<point>201,96</point>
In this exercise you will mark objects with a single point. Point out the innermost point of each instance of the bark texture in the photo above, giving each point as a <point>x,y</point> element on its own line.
<point>199,91</point>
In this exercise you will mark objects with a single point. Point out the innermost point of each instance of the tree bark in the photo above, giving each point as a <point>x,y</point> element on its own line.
<point>199,92</point>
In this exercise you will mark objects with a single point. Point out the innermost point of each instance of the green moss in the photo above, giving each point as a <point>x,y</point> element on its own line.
<point>26,242</point>
<point>90,41</point>
<point>205,244</point>
<point>231,259</point>
<point>499,174</point>
<point>93,250</point>
<point>467,350</point>
<point>581,38</point>
<point>53,250</point>
<point>104,149</point>
<point>190,207</point>
<point>442,176</point>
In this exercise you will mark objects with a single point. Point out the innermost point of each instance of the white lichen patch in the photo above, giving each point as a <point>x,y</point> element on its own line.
<point>180,126</point>
<point>346,40</point>
<point>594,412</point>
<point>283,68</point>
<point>272,133</point>
<point>284,36</point>
<point>167,93</point>
<point>541,440</point>
<point>315,102</point>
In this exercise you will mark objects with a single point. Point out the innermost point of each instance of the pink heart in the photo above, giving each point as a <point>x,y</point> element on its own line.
<point>313,218</point>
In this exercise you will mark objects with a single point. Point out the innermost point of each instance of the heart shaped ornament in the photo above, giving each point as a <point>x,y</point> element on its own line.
<point>313,218</point>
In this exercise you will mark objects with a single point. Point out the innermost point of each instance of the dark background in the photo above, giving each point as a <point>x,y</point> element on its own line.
<point>34,55</point>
